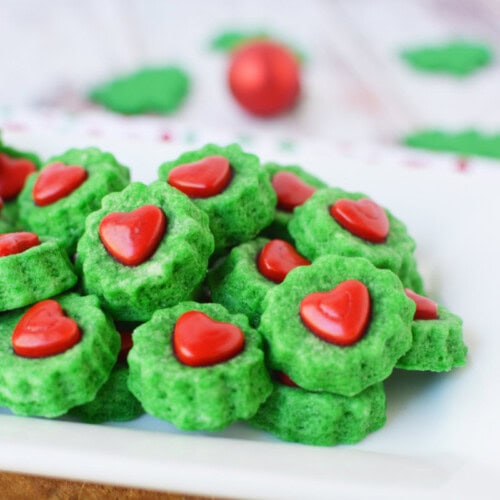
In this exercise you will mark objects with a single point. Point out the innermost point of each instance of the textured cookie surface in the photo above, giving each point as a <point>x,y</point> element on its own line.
<point>50,386</point>
<point>245,206</point>
<point>317,365</point>
<point>170,275</point>
<point>316,232</point>
<point>113,402</point>
<point>437,344</point>
<point>37,273</point>
<point>321,418</point>
<point>203,397</point>
<point>67,215</point>
<point>237,283</point>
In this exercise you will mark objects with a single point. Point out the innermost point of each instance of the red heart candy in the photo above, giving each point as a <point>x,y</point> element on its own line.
<point>339,316</point>
<point>201,341</point>
<point>363,218</point>
<point>132,237</point>
<point>57,181</point>
<point>12,243</point>
<point>277,259</point>
<point>291,190</point>
<point>426,308</point>
<point>44,330</point>
<point>203,178</point>
<point>13,173</point>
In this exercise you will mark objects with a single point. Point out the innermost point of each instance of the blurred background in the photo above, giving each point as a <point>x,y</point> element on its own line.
<point>355,84</point>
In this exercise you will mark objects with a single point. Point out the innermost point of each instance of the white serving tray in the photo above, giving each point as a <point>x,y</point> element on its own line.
<point>441,439</point>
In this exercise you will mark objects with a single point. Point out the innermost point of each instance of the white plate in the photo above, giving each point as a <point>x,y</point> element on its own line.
<point>441,436</point>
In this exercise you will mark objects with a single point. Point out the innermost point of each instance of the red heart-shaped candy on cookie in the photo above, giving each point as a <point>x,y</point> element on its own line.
<point>44,330</point>
<point>202,341</point>
<point>13,173</point>
<point>277,259</point>
<point>12,243</point>
<point>291,190</point>
<point>339,316</point>
<point>57,181</point>
<point>132,237</point>
<point>363,218</point>
<point>426,308</point>
<point>203,178</point>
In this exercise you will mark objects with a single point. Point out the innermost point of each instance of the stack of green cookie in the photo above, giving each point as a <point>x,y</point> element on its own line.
<point>240,291</point>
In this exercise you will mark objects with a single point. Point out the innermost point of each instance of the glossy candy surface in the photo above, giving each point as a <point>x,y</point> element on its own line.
<point>203,178</point>
<point>264,77</point>
<point>132,237</point>
<point>56,181</point>
<point>202,341</point>
<point>339,316</point>
<point>290,190</point>
<point>13,243</point>
<point>363,218</point>
<point>277,259</point>
<point>13,173</point>
<point>44,330</point>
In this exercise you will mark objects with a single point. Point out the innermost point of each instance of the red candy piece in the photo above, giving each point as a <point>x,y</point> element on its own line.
<point>201,341</point>
<point>44,330</point>
<point>426,308</point>
<point>339,316</point>
<point>132,237</point>
<point>57,181</point>
<point>12,243</point>
<point>291,190</point>
<point>363,218</point>
<point>13,173</point>
<point>284,379</point>
<point>277,259</point>
<point>203,178</point>
<point>125,346</point>
<point>264,78</point>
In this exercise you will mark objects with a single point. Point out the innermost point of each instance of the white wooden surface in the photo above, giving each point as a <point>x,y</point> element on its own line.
<point>355,85</point>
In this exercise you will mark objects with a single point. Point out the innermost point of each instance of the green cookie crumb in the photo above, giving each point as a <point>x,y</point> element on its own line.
<point>458,58</point>
<point>148,90</point>
<point>465,143</point>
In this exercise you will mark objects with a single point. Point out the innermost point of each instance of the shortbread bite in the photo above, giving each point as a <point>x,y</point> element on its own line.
<point>279,227</point>
<point>37,273</point>
<point>244,207</point>
<point>50,386</point>
<point>321,418</point>
<point>236,282</point>
<point>172,274</point>
<point>317,365</point>
<point>65,218</point>
<point>113,402</point>
<point>317,233</point>
<point>438,344</point>
<point>196,398</point>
